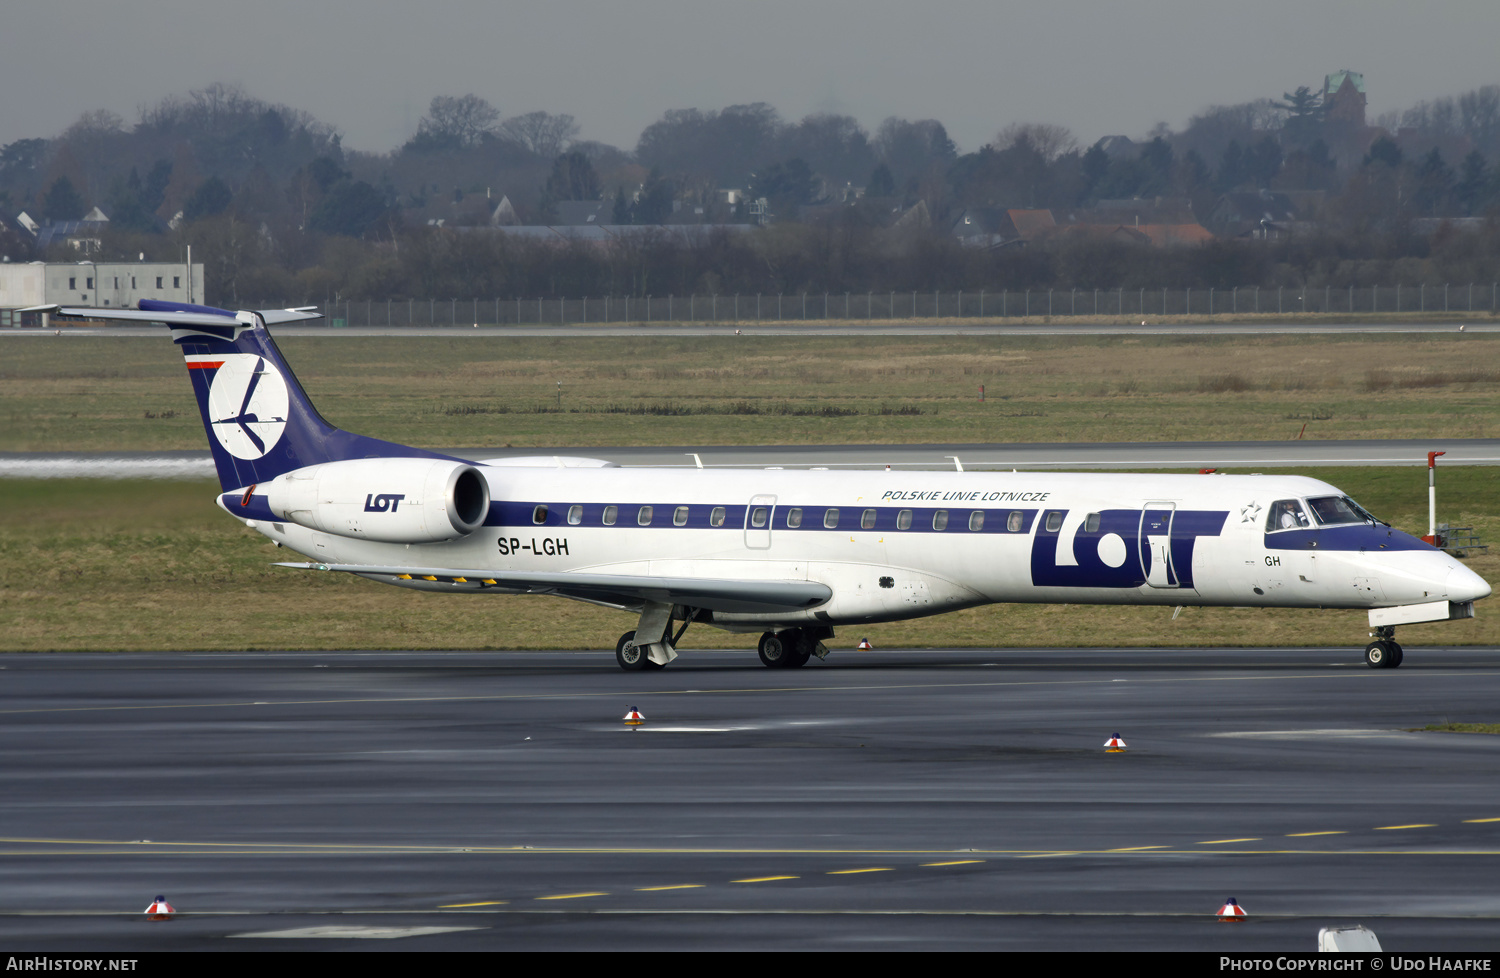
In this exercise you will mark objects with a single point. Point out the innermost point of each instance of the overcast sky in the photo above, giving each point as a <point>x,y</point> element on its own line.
<point>369,67</point>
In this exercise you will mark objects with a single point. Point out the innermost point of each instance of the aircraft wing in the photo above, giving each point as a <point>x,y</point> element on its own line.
<point>713,594</point>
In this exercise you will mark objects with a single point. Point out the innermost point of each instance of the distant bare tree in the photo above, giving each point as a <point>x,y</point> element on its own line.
<point>1048,140</point>
<point>461,121</point>
<point>910,149</point>
<point>94,141</point>
<point>1479,113</point>
<point>835,146</point>
<point>1210,132</point>
<point>99,122</point>
<point>544,134</point>
<point>726,145</point>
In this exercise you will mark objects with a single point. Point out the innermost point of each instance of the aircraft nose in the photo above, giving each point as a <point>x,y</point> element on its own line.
<point>1465,585</point>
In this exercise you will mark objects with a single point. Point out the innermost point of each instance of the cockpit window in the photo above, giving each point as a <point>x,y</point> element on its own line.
<point>1286,514</point>
<point>1334,510</point>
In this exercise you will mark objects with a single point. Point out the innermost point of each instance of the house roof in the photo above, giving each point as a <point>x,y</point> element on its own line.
<point>1332,83</point>
<point>1263,205</point>
<point>1156,235</point>
<point>1169,235</point>
<point>1030,223</point>
<point>65,230</point>
<point>579,212</point>
<point>604,233</point>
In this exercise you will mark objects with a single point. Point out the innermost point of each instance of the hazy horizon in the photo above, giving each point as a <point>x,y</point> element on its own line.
<point>370,69</point>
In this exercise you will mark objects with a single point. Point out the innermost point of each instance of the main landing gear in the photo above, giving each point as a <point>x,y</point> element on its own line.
<point>790,648</point>
<point>632,657</point>
<point>1383,653</point>
<point>793,647</point>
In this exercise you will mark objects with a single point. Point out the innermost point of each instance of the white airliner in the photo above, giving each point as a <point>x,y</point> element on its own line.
<point>789,554</point>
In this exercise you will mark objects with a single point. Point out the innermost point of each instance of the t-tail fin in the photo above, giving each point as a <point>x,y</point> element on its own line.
<point>259,420</point>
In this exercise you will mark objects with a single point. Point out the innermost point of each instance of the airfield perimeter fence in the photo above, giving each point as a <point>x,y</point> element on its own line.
<point>872,307</point>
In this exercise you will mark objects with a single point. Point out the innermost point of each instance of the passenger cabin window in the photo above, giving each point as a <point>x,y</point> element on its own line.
<point>903,520</point>
<point>1286,514</point>
<point>539,515</point>
<point>976,520</point>
<point>611,514</point>
<point>716,518</point>
<point>867,520</point>
<point>940,520</point>
<point>794,518</point>
<point>830,519</point>
<point>680,516</point>
<point>758,516</point>
<point>1054,521</point>
<point>1091,523</point>
<point>643,516</point>
<point>575,515</point>
<point>1015,521</point>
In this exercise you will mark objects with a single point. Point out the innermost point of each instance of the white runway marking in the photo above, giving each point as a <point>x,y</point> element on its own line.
<point>358,933</point>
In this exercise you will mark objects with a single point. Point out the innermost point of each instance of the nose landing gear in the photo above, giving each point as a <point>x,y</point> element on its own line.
<point>1383,653</point>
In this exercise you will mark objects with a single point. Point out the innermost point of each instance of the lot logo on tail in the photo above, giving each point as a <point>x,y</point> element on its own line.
<point>247,405</point>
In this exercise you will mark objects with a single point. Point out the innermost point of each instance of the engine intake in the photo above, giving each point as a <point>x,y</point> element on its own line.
<point>390,500</point>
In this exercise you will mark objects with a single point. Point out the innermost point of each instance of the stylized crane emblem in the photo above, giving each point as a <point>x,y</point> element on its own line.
<point>247,405</point>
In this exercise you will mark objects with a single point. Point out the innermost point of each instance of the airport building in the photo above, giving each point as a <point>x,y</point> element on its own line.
<point>113,284</point>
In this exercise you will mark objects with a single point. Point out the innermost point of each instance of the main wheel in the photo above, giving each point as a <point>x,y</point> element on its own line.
<point>773,650</point>
<point>799,648</point>
<point>630,656</point>
<point>1379,655</point>
<point>1396,656</point>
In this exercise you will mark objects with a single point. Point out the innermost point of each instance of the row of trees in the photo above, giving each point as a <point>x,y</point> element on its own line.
<point>854,253</point>
<point>277,204</point>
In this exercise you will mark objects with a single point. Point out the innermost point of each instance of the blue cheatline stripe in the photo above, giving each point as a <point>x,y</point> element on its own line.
<point>521,515</point>
<point>1360,536</point>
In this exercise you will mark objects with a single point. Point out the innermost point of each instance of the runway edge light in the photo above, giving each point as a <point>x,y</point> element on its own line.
<point>633,717</point>
<point>1114,745</point>
<point>1232,910</point>
<point>864,645</point>
<point>160,909</point>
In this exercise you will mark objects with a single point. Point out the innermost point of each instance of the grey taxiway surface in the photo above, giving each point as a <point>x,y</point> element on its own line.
<point>903,800</point>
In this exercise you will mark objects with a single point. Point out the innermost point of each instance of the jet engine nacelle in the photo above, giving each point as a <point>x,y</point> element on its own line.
<point>391,500</point>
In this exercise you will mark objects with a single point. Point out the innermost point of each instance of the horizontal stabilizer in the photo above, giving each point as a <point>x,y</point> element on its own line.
<point>185,315</point>
<point>710,593</point>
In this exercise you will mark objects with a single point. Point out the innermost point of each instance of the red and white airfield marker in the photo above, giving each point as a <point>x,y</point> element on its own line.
<point>160,909</point>
<point>633,718</point>
<point>1114,745</point>
<point>864,645</point>
<point>1232,910</point>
